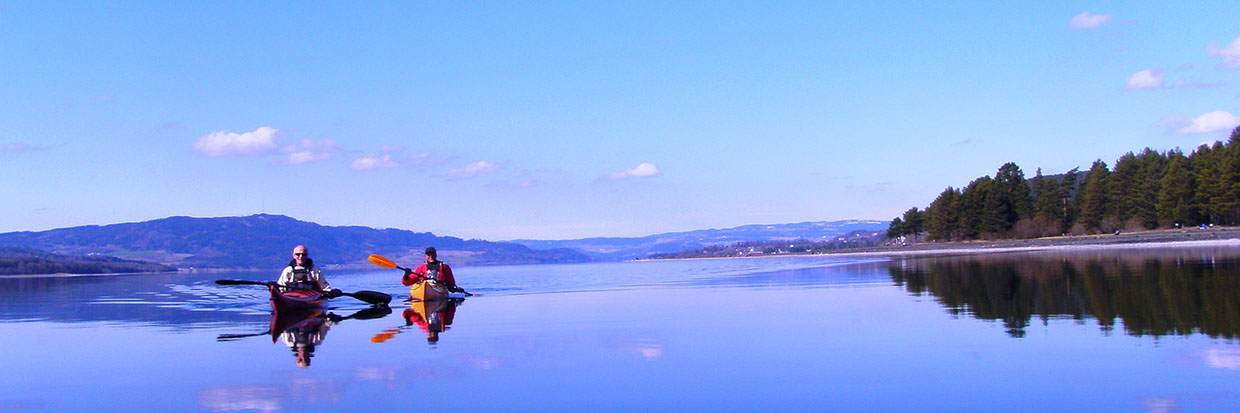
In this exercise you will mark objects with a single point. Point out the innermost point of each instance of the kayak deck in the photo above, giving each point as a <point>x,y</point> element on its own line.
<point>426,291</point>
<point>295,300</point>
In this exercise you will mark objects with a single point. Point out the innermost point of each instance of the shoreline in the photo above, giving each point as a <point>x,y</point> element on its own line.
<point>1171,238</point>
<point>1164,238</point>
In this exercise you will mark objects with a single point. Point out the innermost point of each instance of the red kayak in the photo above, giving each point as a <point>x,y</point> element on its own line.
<point>294,300</point>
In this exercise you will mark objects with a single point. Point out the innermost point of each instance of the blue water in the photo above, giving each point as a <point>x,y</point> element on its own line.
<point>1017,332</point>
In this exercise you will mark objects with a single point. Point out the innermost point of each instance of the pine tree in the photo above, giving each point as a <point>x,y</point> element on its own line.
<point>1175,198</point>
<point>976,216</point>
<point>1010,197</point>
<point>1094,195</point>
<point>943,216</point>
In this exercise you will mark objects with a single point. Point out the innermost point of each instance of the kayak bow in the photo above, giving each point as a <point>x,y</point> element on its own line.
<point>427,291</point>
<point>295,300</point>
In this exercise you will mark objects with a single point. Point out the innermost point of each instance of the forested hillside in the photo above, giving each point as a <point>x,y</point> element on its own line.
<point>1145,190</point>
<point>23,261</point>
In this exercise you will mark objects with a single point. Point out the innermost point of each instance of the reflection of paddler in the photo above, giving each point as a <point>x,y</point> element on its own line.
<point>301,331</point>
<point>432,317</point>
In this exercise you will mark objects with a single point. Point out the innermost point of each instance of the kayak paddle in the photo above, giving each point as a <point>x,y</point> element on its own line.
<point>386,263</point>
<point>370,297</point>
<point>369,313</point>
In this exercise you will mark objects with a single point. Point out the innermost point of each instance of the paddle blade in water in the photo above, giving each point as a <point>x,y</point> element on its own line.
<point>382,262</point>
<point>372,297</point>
<point>239,282</point>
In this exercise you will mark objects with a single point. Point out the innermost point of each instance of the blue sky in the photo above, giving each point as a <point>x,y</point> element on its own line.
<point>542,120</point>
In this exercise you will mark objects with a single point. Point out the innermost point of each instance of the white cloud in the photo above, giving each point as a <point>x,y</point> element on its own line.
<point>370,162</point>
<point>310,151</point>
<point>1087,20</point>
<point>1230,53</point>
<point>474,169</point>
<point>1210,122</point>
<point>260,141</point>
<point>644,170</point>
<point>1146,79</point>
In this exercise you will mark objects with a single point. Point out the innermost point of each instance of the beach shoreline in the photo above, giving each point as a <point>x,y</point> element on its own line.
<point>1171,238</point>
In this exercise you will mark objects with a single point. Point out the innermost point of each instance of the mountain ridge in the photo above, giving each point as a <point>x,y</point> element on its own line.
<point>265,241</point>
<point>613,248</point>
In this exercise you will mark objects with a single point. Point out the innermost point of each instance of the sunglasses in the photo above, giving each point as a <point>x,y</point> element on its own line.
<point>300,254</point>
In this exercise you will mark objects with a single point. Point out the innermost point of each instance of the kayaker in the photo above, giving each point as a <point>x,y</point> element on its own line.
<point>301,273</point>
<point>433,270</point>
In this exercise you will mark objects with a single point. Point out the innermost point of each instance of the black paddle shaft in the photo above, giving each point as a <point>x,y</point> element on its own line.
<point>370,297</point>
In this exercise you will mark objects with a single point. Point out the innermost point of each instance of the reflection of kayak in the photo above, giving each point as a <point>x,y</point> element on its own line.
<point>284,320</point>
<point>294,300</point>
<point>424,309</point>
<point>426,291</point>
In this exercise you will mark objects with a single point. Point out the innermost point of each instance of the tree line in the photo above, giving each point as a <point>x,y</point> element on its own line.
<point>23,261</point>
<point>1146,190</point>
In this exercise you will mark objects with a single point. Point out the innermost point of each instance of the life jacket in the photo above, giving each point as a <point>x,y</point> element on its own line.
<point>432,270</point>
<point>301,276</point>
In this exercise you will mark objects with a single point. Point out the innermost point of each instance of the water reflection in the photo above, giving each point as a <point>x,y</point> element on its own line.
<point>303,331</point>
<point>432,317</point>
<point>1151,292</point>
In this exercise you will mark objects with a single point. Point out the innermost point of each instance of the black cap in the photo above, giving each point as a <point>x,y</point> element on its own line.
<point>431,252</point>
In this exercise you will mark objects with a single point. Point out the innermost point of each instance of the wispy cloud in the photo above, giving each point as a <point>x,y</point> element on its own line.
<point>1196,84</point>
<point>643,170</point>
<point>372,162</point>
<point>16,148</point>
<point>1210,122</point>
<point>169,127</point>
<point>390,157</point>
<point>1230,53</point>
<point>260,141</point>
<point>1146,79</point>
<point>309,150</point>
<point>428,159</point>
<point>474,169</point>
<point>1088,20</point>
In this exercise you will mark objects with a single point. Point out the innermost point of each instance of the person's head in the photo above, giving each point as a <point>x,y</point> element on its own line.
<point>303,353</point>
<point>300,254</point>
<point>431,255</point>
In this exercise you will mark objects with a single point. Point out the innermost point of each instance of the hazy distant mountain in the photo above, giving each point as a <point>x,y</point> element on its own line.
<point>266,241</point>
<point>641,247</point>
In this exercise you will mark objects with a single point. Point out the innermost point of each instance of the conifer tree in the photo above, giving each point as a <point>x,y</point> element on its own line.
<point>1175,198</point>
<point>943,216</point>
<point>1094,195</point>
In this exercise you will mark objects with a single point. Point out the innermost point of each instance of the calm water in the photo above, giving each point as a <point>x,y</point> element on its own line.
<point>1149,330</point>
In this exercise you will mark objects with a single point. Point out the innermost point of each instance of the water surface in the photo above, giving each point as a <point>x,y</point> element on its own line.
<point>1111,330</point>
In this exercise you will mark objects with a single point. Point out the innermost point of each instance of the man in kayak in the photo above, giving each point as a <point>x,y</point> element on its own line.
<point>301,273</point>
<point>433,270</point>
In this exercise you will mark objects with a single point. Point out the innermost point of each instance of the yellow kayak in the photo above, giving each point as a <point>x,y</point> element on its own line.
<point>425,291</point>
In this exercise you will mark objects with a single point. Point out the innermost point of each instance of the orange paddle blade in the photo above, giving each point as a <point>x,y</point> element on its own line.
<point>382,262</point>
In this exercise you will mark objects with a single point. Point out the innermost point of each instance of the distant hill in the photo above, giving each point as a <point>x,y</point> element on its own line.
<point>23,261</point>
<point>266,241</point>
<point>673,242</point>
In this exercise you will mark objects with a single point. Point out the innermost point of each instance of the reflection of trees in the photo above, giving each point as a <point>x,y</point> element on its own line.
<point>1157,296</point>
